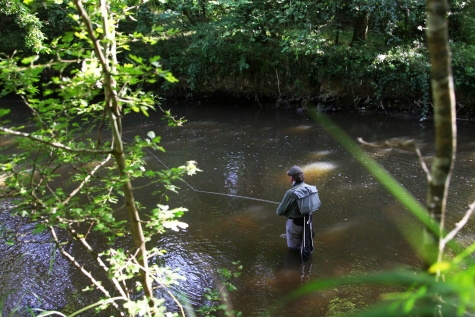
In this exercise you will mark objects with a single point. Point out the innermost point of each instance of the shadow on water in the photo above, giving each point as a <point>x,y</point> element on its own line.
<point>246,153</point>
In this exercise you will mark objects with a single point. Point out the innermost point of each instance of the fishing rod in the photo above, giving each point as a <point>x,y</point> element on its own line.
<point>209,192</point>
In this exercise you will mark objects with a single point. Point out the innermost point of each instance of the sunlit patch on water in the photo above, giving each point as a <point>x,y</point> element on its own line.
<point>318,169</point>
<point>235,162</point>
<point>316,155</point>
<point>297,130</point>
<point>313,172</point>
<point>197,261</point>
<point>197,273</point>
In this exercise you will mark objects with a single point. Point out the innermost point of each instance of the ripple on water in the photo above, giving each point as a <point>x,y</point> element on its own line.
<point>194,261</point>
<point>34,275</point>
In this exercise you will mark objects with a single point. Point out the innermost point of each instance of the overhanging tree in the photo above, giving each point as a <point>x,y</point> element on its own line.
<point>74,171</point>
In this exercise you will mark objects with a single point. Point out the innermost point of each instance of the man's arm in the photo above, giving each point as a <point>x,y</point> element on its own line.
<point>284,205</point>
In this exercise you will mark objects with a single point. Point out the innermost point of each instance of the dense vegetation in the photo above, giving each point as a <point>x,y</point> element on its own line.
<point>364,55</point>
<point>97,61</point>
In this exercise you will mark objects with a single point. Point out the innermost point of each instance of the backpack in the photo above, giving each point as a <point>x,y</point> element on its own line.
<point>307,199</point>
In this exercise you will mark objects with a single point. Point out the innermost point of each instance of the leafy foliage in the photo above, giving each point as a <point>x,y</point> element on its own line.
<point>218,297</point>
<point>71,169</point>
<point>298,51</point>
<point>34,37</point>
<point>464,74</point>
<point>285,50</point>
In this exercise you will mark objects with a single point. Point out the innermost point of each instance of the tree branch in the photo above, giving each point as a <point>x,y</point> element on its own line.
<point>400,142</point>
<point>83,270</point>
<point>53,144</point>
<point>458,226</point>
<point>101,263</point>
<point>84,181</point>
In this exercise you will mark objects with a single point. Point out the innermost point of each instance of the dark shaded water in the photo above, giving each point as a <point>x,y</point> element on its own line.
<point>246,152</point>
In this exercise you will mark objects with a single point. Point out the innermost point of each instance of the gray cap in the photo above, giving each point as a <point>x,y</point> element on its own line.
<point>294,170</point>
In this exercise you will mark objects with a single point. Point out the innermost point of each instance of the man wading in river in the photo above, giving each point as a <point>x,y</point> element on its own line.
<point>297,205</point>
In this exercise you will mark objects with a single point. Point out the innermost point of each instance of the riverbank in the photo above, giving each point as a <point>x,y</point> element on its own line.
<point>298,106</point>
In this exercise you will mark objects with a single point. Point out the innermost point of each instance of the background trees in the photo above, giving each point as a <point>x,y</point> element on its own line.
<point>346,54</point>
<point>352,54</point>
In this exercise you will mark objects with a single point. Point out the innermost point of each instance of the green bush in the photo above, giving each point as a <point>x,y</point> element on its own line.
<point>463,67</point>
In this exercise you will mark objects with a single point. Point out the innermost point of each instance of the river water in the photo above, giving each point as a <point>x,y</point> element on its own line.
<point>244,154</point>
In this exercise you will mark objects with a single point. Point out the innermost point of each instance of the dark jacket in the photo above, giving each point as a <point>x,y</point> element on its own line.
<point>288,207</point>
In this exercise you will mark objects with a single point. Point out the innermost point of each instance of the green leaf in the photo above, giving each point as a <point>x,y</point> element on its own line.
<point>154,59</point>
<point>4,112</point>
<point>39,228</point>
<point>440,266</point>
<point>136,58</point>
<point>29,60</point>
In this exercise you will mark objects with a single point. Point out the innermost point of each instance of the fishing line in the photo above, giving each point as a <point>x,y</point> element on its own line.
<point>209,192</point>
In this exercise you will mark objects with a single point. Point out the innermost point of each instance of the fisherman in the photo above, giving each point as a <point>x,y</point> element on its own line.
<point>297,205</point>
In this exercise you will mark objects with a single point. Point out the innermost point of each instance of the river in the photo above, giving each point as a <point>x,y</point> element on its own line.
<point>244,153</point>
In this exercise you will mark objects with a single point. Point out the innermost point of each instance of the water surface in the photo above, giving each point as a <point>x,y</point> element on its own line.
<point>243,154</point>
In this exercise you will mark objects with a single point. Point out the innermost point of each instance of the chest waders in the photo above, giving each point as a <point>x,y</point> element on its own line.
<point>308,202</point>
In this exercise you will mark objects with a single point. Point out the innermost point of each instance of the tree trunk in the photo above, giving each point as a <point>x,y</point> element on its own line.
<point>444,120</point>
<point>134,216</point>
<point>107,55</point>
<point>360,27</point>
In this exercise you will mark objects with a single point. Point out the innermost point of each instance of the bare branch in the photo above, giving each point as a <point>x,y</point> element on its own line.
<point>84,181</point>
<point>80,267</point>
<point>458,226</point>
<point>398,143</point>
<point>53,144</point>
<point>101,263</point>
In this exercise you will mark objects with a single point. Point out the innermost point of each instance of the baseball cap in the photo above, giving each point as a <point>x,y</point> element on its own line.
<point>294,170</point>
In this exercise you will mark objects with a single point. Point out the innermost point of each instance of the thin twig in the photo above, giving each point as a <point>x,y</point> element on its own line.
<point>53,144</point>
<point>83,270</point>
<point>86,179</point>
<point>458,226</point>
<point>99,261</point>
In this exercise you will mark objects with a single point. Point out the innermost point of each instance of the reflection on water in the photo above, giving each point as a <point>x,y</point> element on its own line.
<point>247,153</point>
<point>231,174</point>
